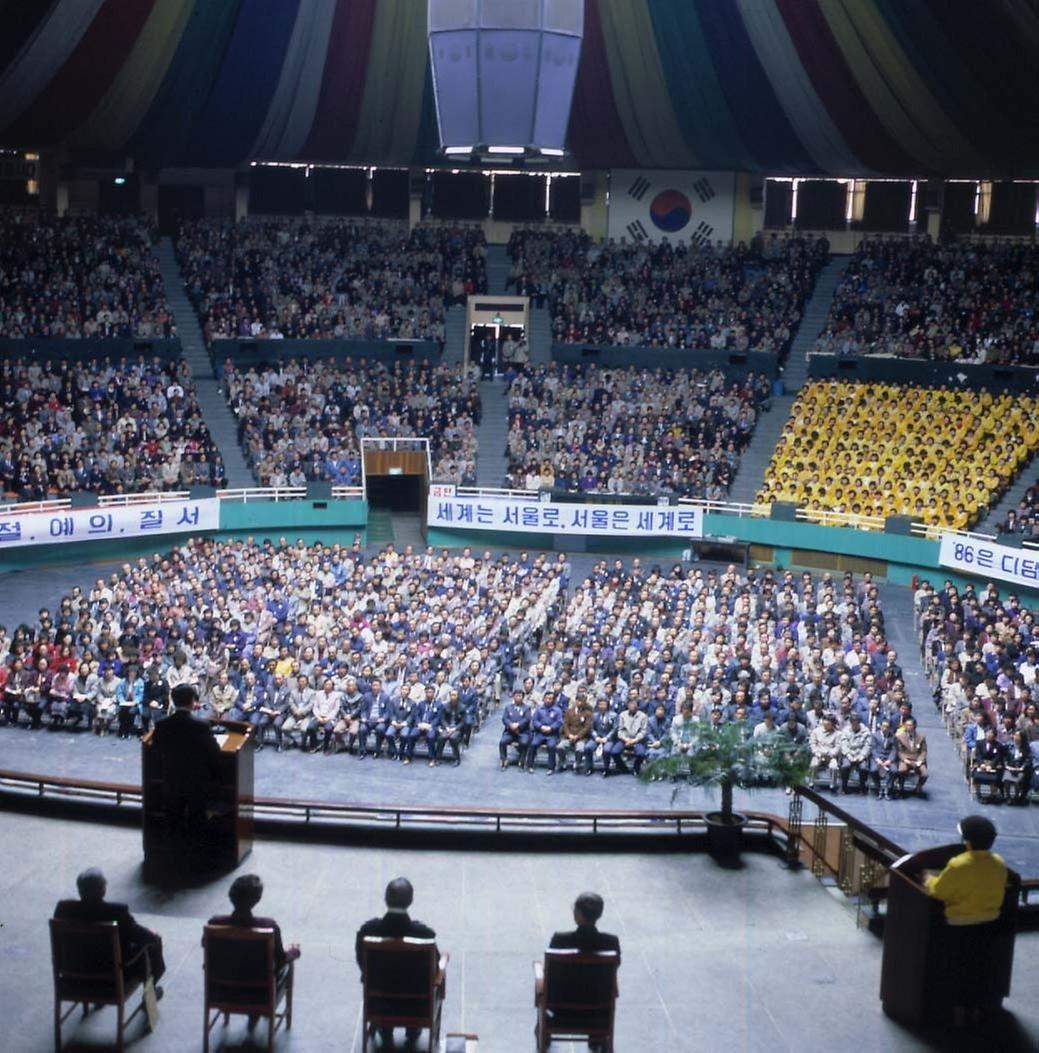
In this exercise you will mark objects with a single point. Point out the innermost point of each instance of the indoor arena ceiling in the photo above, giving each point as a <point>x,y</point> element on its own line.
<point>846,87</point>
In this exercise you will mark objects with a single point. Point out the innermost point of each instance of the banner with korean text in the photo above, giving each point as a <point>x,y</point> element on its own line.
<point>986,559</point>
<point>543,517</point>
<point>108,523</point>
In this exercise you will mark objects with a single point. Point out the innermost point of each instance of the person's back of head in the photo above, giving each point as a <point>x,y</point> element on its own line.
<point>588,908</point>
<point>245,892</point>
<point>399,894</point>
<point>978,832</point>
<point>184,696</point>
<point>91,885</point>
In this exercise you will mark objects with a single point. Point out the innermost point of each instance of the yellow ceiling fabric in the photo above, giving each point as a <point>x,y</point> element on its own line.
<point>394,87</point>
<point>895,91</point>
<point>117,115</point>
<point>639,89</point>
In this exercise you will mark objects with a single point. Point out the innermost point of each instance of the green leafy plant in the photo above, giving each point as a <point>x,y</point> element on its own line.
<point>727,755</point>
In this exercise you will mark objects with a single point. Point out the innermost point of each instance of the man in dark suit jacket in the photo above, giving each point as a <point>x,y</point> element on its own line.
<point>91,906</point>
<point>396,924</point>
<point>245,892</point>
<point>188,756</point>
<point>588,908</point>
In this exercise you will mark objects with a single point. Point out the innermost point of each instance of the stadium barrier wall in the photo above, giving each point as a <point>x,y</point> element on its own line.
<point>882,368</point>
<point>328,521</point>
<point>62,349</point>
<point>245,352</point>
<point>738,363</point>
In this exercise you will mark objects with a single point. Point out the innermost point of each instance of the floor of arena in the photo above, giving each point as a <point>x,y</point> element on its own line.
<point>912,823</point>
<point>758,959</point>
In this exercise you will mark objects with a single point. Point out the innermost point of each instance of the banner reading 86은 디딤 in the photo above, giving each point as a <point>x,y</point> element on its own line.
<point>985,559</point>
<point>112,522</point>
<point>562,518</point>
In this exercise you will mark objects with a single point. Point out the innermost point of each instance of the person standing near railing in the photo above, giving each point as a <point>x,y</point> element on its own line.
<point>972,887</point>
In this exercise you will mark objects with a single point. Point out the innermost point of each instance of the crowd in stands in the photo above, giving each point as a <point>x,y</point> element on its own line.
<point>939,455</point>
<point>683,295</point>
<point>1025,518</point>
<point>303,419</point>
<point>103,425</point>
<point>642,657</point>
<point>328,278</point>
<point>982,655</point>
<point>915,298</point>
<point>80,277</point>
<point>320,646</point>
<point>642,431</point>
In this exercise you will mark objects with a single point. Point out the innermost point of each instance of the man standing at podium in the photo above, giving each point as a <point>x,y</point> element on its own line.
<point>972,887</point>
<point>188,758</point>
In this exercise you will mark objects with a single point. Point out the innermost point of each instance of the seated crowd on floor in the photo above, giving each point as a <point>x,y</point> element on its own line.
<point>939,455</point>
<point>320,647</point>
<point>662,431</point>
<point>107,426</point>
<point>686,295</point>
<point>328,278</point>
<point>80,277</point>
<point>642,658</point>
<point>981,652</point>
<point>915,298</point>
<point>303,419</point>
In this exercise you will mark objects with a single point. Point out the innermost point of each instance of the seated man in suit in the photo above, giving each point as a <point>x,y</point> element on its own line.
<point>588,908</point>
<point>395,924</point>
<point>188,757</point>
<point>245,892</point>
<point>133,938</point>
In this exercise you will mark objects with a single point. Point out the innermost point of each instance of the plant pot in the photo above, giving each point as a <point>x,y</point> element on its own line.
<point>725,837</point>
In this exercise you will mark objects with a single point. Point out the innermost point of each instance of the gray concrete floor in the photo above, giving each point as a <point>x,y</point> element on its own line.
<point>757,959</point>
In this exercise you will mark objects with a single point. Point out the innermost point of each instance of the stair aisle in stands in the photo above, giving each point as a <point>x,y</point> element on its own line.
<point>539,342</point>
<point>211,401</point>
<point>498,267</point>
<point>795,372</point>
<point>454,335</point>
<point>1012,498</point>
<point>751,471</point>
<point>491,462</point>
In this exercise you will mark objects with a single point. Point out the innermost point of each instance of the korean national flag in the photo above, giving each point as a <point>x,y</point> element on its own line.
<point>677,206</point>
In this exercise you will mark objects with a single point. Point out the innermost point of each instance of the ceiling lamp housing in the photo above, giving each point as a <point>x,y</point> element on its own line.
<point>504,73</point>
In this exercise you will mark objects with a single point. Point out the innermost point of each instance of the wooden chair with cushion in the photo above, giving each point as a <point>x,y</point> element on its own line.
<point>404,985</point>
<point>575,994</point>
<point>240,978</point>
<point>89,970</point>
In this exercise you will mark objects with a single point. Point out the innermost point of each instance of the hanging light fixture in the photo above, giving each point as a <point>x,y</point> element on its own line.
<point>504,73</point>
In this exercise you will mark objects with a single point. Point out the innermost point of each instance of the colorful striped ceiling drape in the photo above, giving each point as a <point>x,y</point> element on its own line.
<point>844,87</point>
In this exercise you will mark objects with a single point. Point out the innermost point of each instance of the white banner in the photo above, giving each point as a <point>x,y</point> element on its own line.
<point>112,521</point>
<point>985,559</point>
<point>649,205</point>
<point>542,517</point>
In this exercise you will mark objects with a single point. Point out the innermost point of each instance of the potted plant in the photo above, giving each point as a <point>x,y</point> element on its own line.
<point>727,755</point>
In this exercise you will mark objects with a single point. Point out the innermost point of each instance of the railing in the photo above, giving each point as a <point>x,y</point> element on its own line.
<point>157,497</point>
<point>264,493</point>
<point>58,504</point>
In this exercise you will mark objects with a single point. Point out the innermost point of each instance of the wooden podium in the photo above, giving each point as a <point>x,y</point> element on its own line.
<point>914,974</point>
<point>229,827</point>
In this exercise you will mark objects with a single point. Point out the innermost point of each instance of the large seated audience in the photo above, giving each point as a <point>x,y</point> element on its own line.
<point>641,431</point>
<point>939,455</point>
<point>642,657</point>
<point>103,425</point>
<point>80,277</point>
<point>916,298</point>
<point>980,651</point>
<point>303,419</point>
<point>320,647</point>
<point>672,294</point>
<point>328,278</point>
